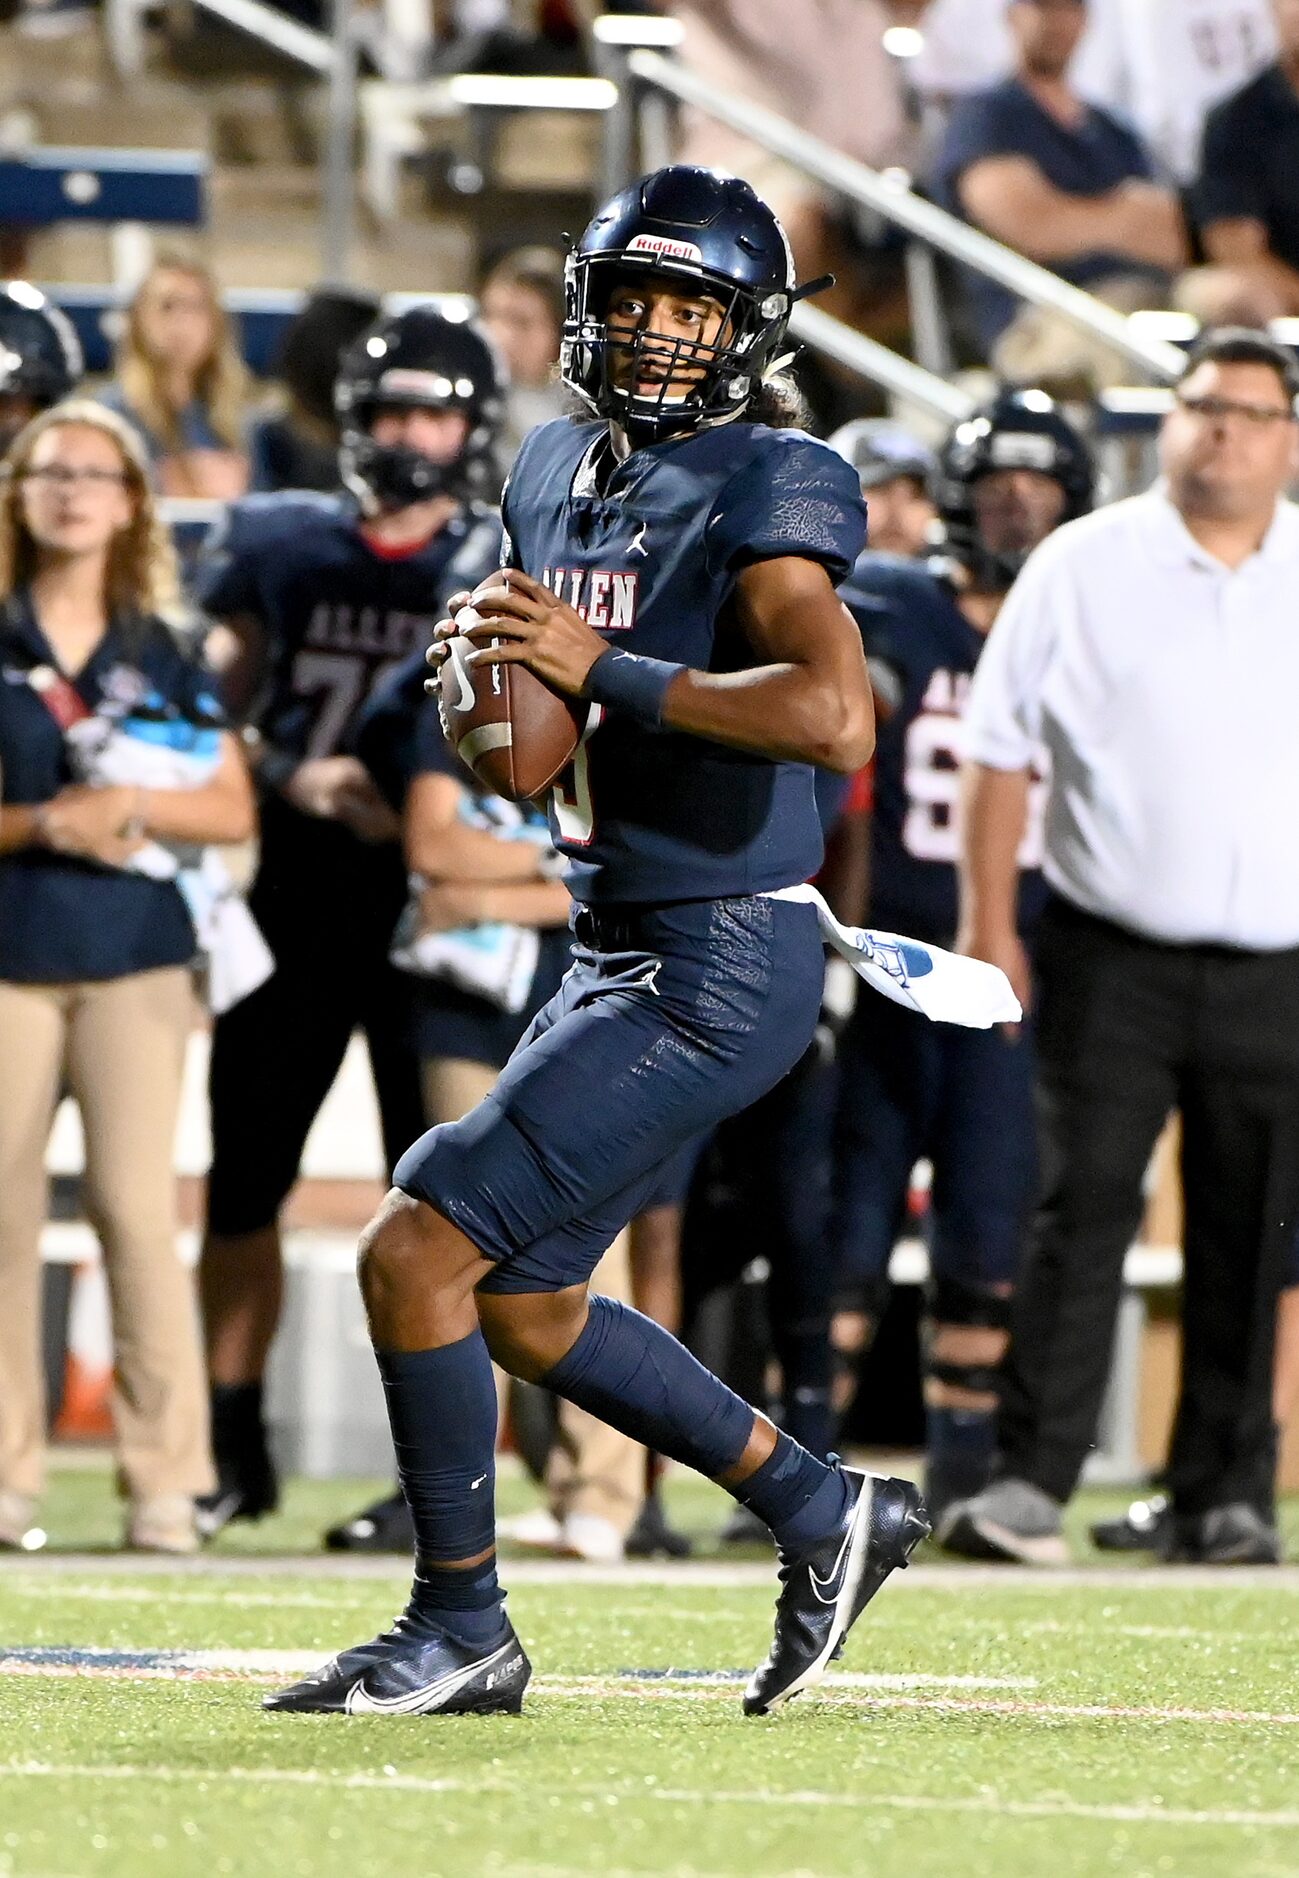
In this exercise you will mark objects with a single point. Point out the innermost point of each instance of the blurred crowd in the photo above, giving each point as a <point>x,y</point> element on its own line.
<point>157,708</point>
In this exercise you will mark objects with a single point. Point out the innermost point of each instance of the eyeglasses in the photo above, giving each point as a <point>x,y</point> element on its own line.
<point>61,476</point>
<point>1259,415</point>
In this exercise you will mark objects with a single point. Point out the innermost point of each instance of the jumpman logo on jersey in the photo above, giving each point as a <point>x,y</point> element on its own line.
<point>638,542</point>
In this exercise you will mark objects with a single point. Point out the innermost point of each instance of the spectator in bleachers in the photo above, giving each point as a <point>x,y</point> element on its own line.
<point>1247,196</point>
<point>1158,64</point>
<point>182,383</point>
<point>95,985</point>
<point>1064,182</point>
<point>897,473</point>
<point>296,445</point>
<point>521,305</point>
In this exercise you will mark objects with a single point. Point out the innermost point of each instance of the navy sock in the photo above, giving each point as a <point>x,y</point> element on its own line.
<point>442,1409</point>
<point>799,1497</point>
<point>634,1375</point>
<point>962,1446</point>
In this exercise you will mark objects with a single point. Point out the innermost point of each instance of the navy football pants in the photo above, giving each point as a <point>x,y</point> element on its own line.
<point>670,1019</point>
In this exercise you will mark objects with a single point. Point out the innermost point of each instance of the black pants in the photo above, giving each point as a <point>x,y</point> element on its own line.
<point>326,906</point>
<point>1128,1030</point>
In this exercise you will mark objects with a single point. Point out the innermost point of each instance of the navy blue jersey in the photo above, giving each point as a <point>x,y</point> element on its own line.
<point>338,612</point>
<point>921,646</point>
<point>648,550</point>
<point>64,919</point>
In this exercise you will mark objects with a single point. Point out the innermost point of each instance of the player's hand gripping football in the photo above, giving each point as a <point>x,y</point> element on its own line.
<point>533,626</point>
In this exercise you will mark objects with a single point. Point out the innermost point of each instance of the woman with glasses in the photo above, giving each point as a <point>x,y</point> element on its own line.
<point>95,983</point>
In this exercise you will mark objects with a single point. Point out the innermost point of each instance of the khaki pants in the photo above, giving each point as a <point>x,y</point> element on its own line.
<point>594,1469</point>
<point>119,1046</point>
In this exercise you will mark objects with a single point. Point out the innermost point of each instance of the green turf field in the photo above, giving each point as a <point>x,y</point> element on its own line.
<point>1140,1722</point>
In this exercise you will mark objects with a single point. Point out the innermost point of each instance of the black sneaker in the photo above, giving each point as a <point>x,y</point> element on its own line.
<point>247,1489</point>
<point>825,1590</point>
<point>1143,1528</point>
<point>652,1537</point>
<point>384,1527</point>
<point>401,1674</point>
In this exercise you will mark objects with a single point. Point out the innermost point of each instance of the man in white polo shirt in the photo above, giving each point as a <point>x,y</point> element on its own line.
<point>1153,647</point>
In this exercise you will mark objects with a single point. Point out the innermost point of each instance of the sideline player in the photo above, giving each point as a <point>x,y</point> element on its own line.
<point>684,525</point>
<point>40,357</point>
<point>909,1089</point>
<point>325,595</point>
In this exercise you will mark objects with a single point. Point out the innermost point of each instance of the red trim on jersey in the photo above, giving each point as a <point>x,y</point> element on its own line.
<point>385,551</point>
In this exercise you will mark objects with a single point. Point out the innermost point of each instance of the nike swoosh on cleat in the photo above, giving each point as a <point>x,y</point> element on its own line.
<point>828,1589</point>
<point>435,1694</point>
<point>455,659</point>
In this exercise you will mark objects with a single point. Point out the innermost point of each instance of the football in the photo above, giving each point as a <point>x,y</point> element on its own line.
<point>506,724</point>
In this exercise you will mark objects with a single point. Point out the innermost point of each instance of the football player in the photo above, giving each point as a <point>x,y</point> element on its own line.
<point>40,357</point>
<point>673,561</point>
<point>324,595</point>
<point>963,1099</point>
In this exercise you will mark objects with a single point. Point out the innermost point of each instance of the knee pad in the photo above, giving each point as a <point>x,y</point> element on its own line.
<point>973,1307</point>
<point>952,1301</point>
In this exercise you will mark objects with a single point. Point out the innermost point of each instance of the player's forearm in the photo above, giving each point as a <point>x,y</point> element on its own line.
<point>785,711</point>
<point>845,876</point>
<point>21,827</point>
<point>460,853</point>
<point>219,811</point>
<point>994,806</point>
<point>541,903</point>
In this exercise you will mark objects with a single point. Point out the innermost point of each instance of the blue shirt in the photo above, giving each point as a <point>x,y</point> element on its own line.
<point>1089,160</point>
<point>920,644</point>
<point>649,551</point>
<point>63,920</point>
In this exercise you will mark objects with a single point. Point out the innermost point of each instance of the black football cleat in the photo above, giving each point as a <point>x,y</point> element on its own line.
<point>825,1590</point>
<point>386,1526</point>
<point>403,1674</point>
<point>244,1490</point>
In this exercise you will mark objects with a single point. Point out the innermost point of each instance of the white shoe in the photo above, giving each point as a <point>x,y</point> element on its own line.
<point>598,1541</point>
<point>162,1524</point>
<point>539,1530</point>
<point>18,1533</point>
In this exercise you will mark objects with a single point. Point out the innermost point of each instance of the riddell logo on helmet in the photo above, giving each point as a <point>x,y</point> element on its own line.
<point>666,248</point>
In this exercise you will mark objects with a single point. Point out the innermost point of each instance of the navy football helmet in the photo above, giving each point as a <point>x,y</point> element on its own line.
<point>711,233</point>
<point>40,358</point>
<point>1017,430</point>
<point>418,357</point>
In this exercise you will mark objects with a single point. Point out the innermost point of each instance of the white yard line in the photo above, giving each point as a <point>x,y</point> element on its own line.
<point>989,1806</point>
<point>871,1692</point>
<point>686,1574</point>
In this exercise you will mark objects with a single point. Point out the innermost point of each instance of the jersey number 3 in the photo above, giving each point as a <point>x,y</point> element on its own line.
<point>571,795</point>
